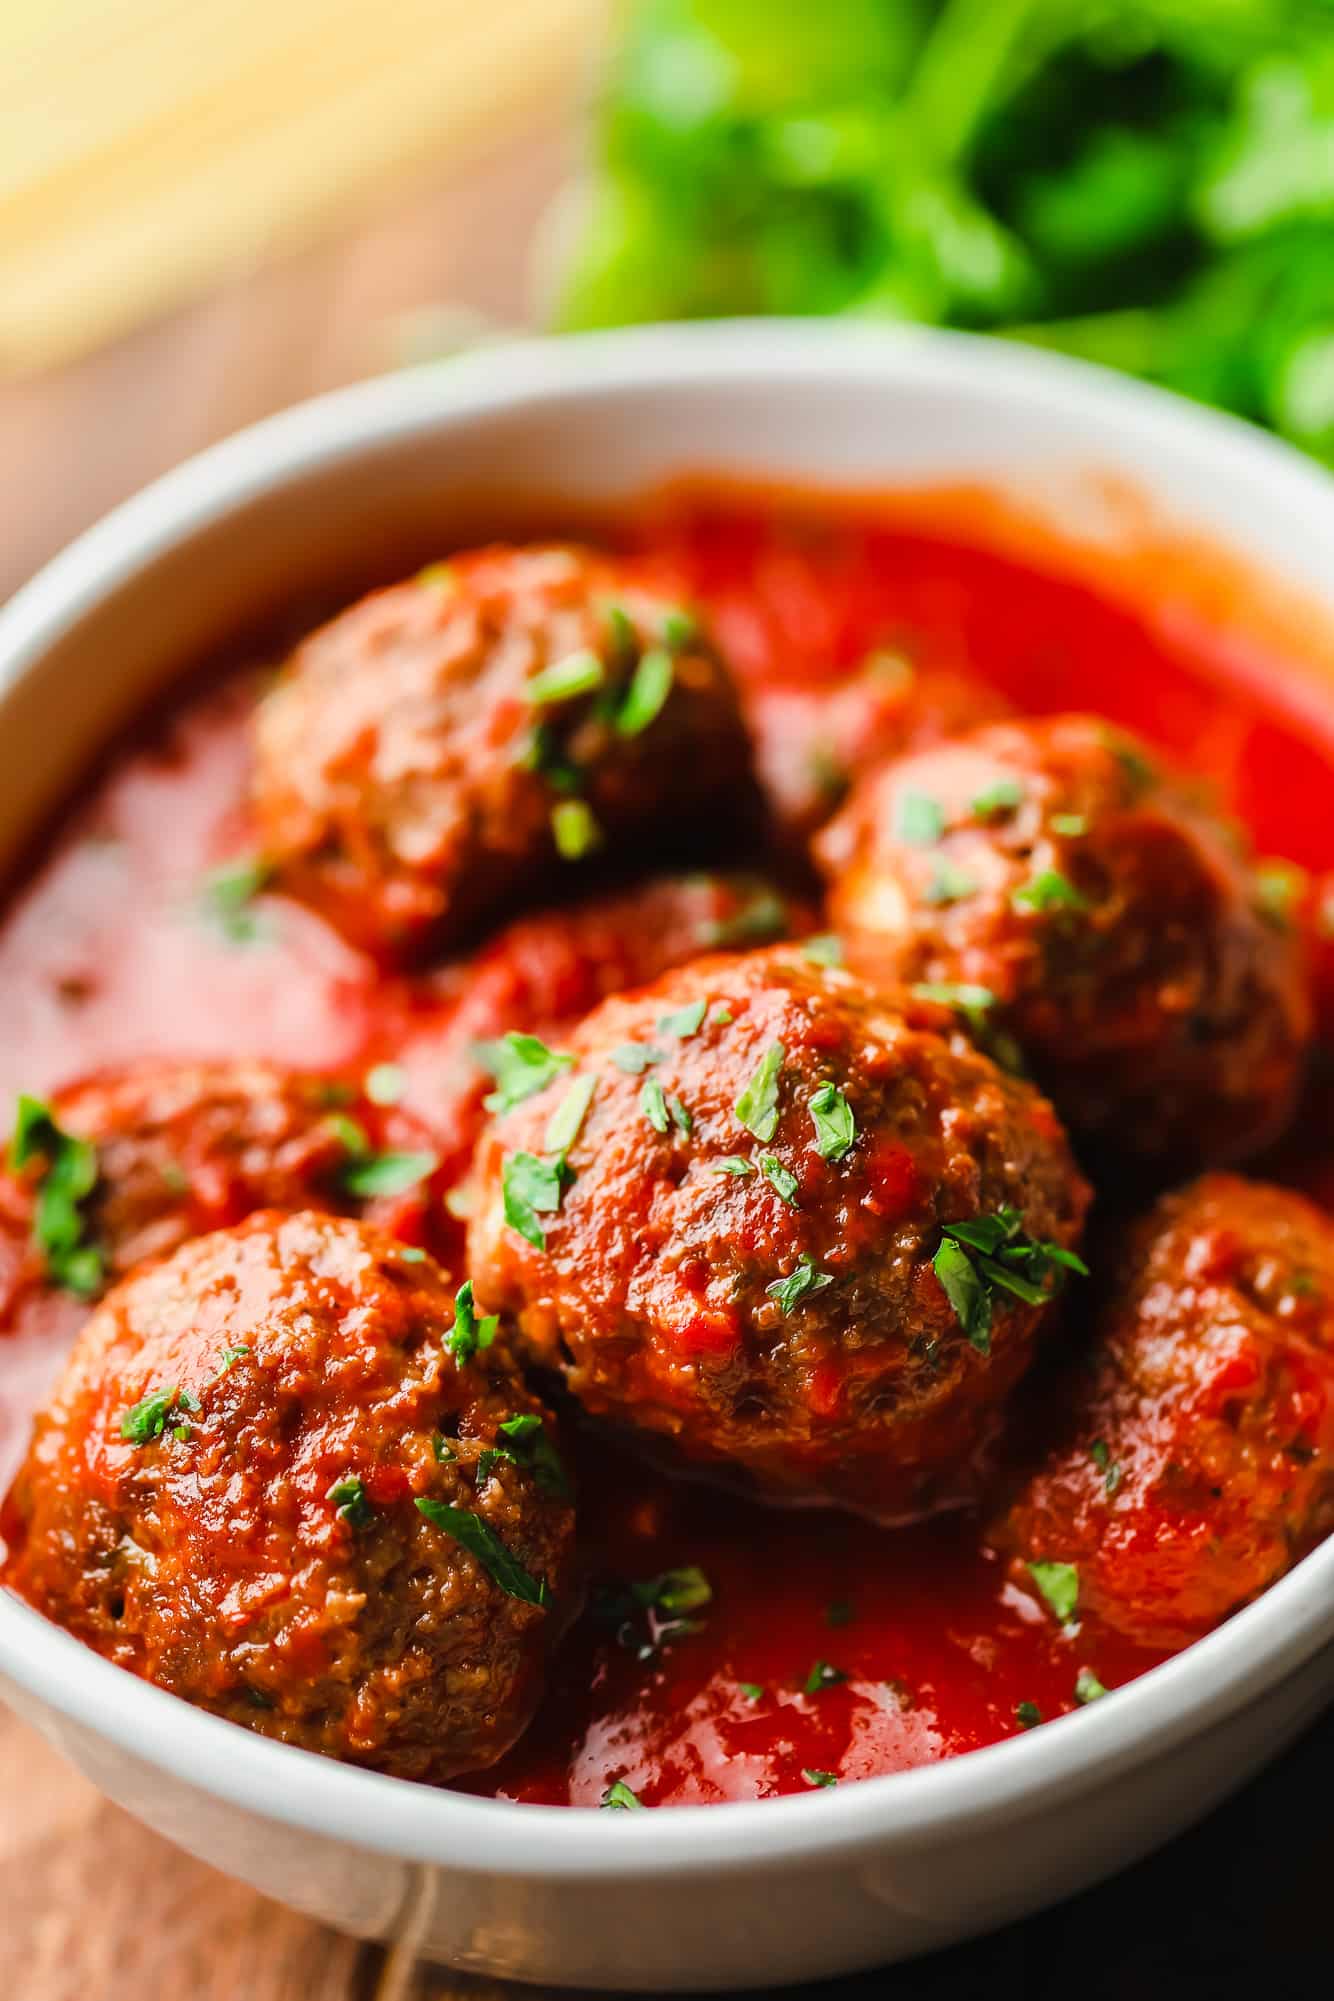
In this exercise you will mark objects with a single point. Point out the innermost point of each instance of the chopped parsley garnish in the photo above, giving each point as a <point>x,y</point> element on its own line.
<point>621,628</point>
<point>1027,1715</point>
<point>676,1592</point>
<point>522,1065</point>
<point>653,1104</point>
<point>684,1021</point>
<point>681,1118</point>
<point>386,1173</point>
<point>1049,891</point>
<point>619,1795</point>
<point>821,1676</point>
<point>839,1612</point>
<point>650,685</point>
<point>733,1163</point>
<point>817,1778</point>
<point>835,1126</point>
<point>826,949</point>
<point>469,1333</point>
<point>754,1691</point>
<point>763,916</point>
<point>1059,1585</point>
<point>577,674</point>
<point>350,1133</point>
<point>566,1122</point>
<point>533,1187</point>
<point>413,1254</point>
<point>1112,1474</point>
<point>918,819</point>
<point>1001,796</point>
<point>800,1282</point>
<point>634,1058</point>
<point>1070,826</point>
<point>993,1254</point>
<point>975,1005</point>
<point>1087,1686</point>
<point>1136,766</point>
<point>948,884</point>
<point>227,894</point>
<point>527,1446</point>
<point>147,1419</point>
<point>652,1612</point>
<point>385,1084</point>
<point>574,829</point>
<point>679,627</point>
<point>442,1451</point>
<point>757,1107</point>
<point>722,1017</point>
<point>781,1179</point>
<point>542,753</point>
<point>60,1227</point>
<point>478,1537</point>
<point>350,1504</point>
<point>230,1358</point>
<point>1279,889</point>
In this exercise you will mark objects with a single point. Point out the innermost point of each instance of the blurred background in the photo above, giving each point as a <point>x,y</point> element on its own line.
<point>208,211</point>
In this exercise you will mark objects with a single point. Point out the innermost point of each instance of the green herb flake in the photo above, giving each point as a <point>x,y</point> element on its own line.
<point>826,949</point>
<point>230,1358</point>
<point>634,1058</point>
<point>532,1187</point>
<point>653,1105</point>
<point>526,1445</point>
<point>818,1779</point>
<point>781,1179</point>
<point>675,1592</point>
<point>442,1451</point>
<point>800,1283</point>
<point>350,1134</point>
<point>762,917</point>
<point>227,894</point>
<point>475,1534</point>
<point>679,628</point>
<point>1279,890</point>
<point>385,1084</point>
<point>577,674</point>
<point>60,1226</point>
<point>965,1292</point>
<point>918,820</point>
<point>974,1003</point>
<point>684,1022</point>
<point>1111,1470</point>
<point>1059,1585</point>
<point>574,829</point>
<point>754,1691</point>
<point>618,1797</point>
<point>1087,1686</point>
<point>650,685</point>
<point>413,1254</point>
<point>991,1254</point>
<point>822,1676</point>
<point>733,1163</point>
<point>469,1335</point>
<point>757,1107</point>
<point>835,1126</point>
<point>1070,826</point>
<point>681,1117</point>
<point>1003,795</point>
<point>386,1173</point>
<point>566,1122</point>
<point>1049,891</point>
<point>948,884</point>
<point>521,1065</point>
<point>147,1419</point>
<point>1027,1715</point>
<point>722,1017</point>
<point>350,1503</point>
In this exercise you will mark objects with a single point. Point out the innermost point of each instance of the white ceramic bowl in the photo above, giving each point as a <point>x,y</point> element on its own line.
<point>697,1897</point>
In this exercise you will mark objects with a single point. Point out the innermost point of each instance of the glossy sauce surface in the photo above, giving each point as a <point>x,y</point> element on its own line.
<point>829,1647</point>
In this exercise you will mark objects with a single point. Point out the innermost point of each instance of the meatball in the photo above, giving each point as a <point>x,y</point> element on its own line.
<point>130,1164</point>
<point>794,1228</point>
<point>1107,920</point>
<point>447,747</point>
<point>812,743</point>
<point>1195,1455</point>
<point>277,1480</point>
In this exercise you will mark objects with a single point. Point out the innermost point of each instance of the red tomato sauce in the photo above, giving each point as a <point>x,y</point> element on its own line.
<point>828,1646</point>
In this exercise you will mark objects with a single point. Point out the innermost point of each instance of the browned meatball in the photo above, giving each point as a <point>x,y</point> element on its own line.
<point>132,1163</point>
<point>447,747</point>
<point>794,1228</point>
<point>1195,1458</point>
<point>1052,874</point>
<point>275,1481</point>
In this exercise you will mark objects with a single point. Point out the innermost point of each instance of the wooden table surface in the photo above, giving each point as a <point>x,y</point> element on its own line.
<point>92,1906</point>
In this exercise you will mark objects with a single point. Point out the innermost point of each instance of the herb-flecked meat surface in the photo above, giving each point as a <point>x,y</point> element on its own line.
<point>275,1480</point>
<point>727,1222</point>
<point>452,746</point>
<point>1105,917</point>
<point>1194,1454</point>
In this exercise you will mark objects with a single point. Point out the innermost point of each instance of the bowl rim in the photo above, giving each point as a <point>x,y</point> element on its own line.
<point>984,1789</point>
